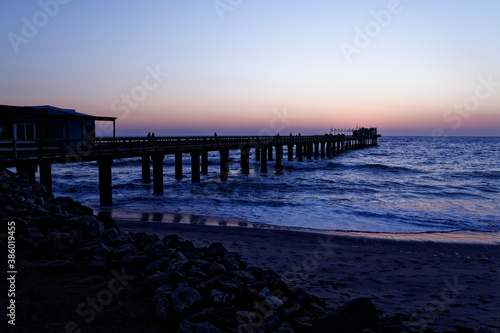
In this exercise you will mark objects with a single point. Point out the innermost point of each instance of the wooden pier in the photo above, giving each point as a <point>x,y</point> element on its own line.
<point>28,155</point>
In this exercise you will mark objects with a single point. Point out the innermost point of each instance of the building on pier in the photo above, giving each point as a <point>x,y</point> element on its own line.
<point>60,127</point>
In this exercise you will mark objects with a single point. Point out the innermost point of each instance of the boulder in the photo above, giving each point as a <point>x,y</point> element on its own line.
<point>93,227</point>
<point>121,250</point>
<point>163,308</point>
<point>184,299</point>
<point>216,250</point>
<point>209,314</point>
<point>186,326</point>
<point>178,262</point>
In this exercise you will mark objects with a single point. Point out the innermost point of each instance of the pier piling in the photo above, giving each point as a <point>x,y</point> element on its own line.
<point>105,187</point>
<point>195,166</point>
<point>224,164</point>
<point>263,160</point>
<point>204,162</point>
<point>46,174</point>
<point>158,173</point>
<point>146,169</point>
<point>245,160</point>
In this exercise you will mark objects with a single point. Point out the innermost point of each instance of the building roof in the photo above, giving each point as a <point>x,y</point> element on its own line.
<point>48,110</point>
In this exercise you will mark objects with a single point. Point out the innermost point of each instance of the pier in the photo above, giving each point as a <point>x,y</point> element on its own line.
<point>28,156</point>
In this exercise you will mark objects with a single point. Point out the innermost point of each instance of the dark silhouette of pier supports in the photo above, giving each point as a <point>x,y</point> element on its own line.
<point>245,160</point>
<point>27,169</point>
<point>146,169</point>
<point>323,148</point>
<point>290,153</point>
<point>178,166</point>
<point>195,166</point>
<point>46,174</point>
<point>279,156</point>
<point>224,164</point>
<point>257,154</point>
<point>299,152</point>
<point>309,151</point>
<point>270,153</point>
<point>263,160</point>
<point>316,150</point>
<point>204,162</point>
<point>158,173</point>
<point>105,186</point>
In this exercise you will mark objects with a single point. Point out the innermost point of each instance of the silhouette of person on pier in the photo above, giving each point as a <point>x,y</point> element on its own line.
<point>149,136</point>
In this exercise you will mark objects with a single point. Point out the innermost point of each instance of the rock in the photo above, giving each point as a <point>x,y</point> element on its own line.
<point>264,292</point>
<point>292,311</point>
<point>166,289</point>
<point>120,240</point>
<point>178,262</point>
<point>209,314</point>
<point>98,264</point>
<point>232,262</point>
<point>57,266</point>
<point>135,263</point>
<point>215,269</point>
<point>355,316</point>
<point>54,244</point>
<point>274,302</point>
<point>184,300</point>
<point>216,250</point>
<point>246,317</point>
<point>93,226</point>
<point>271,321</point>
<point>103,250</point>
<point>107,221</point>
<point>218,297</point>
<point>176,276</point>
<point>121,250</point>
<point>163,308</point>
<point>156,280</point>
<point>186,326</point>
<point>44,223</point>
<point>157,265</point>
<point>256,272</point>
<point>284,329</point>
<point>242,275</point>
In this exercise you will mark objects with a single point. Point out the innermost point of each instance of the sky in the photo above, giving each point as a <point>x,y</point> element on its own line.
<point>261,67</point>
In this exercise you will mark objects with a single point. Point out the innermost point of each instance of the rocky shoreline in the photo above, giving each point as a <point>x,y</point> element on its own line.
<point>191,289</point>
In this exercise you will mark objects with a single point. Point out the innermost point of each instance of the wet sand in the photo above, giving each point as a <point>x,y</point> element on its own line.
<point>432,282</point>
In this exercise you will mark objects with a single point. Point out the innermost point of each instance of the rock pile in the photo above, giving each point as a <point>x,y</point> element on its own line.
<point>193,289</point>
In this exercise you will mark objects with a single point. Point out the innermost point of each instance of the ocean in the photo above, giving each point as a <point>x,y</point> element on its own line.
<point>403,185</point>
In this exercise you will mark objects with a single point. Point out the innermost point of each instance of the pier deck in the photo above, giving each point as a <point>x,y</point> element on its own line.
<point>27,155</point>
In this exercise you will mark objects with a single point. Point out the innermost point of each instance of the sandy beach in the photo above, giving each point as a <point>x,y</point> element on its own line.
<point>435,284</point>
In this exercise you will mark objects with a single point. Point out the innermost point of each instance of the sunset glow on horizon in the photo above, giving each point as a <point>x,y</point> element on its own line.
<point>254,67</point>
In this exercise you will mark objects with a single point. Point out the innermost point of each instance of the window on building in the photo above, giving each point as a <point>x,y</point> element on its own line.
<point>24,131</point>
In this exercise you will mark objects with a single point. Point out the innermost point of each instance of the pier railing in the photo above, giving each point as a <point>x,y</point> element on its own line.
<point>29,155</point>
<point>12,150</point>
